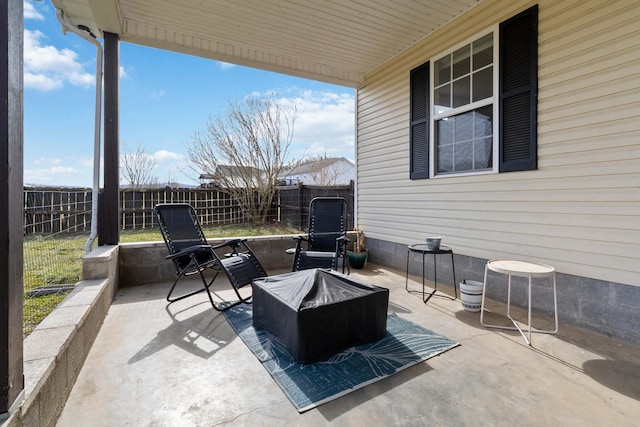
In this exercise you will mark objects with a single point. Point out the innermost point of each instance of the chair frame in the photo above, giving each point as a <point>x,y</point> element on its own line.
<point>197,258</point>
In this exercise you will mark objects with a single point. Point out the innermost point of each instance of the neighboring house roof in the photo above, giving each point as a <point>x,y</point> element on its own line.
<point>225,174</point>
<point>314,166</point>
<point>228,170</point>
<point>322,171</point>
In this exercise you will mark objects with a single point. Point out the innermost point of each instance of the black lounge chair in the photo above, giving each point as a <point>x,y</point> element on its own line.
<point>326,242</point>
<point>191,254</point>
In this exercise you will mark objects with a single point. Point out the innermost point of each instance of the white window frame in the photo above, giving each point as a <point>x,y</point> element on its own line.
<point>433,118</point>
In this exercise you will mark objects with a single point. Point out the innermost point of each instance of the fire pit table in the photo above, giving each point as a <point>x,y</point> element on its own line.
<point>318,313</point>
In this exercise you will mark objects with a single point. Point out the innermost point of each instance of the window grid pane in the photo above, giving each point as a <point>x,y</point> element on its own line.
<point>482,84</point>
<point>483,52</point>
<point>442,99</point>
<point>462,61</point>
<point>464,76</point>
<point>442,71</point>
<point>465,141</point>
<point>461,92</point>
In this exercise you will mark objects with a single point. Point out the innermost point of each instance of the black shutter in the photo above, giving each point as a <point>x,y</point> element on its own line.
<point>419,123</point>
<point>519,92</point>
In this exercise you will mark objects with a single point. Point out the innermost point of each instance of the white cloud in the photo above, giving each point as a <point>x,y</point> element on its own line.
<point>171,167</point>
<point>164,155</point>
<point>122,73</point>
<point>158,94</point>
<point>30,12</point>
<point>226,65</point>
<point>47,161</point>
<point>68,172</point>
<point>56,175</point>
<point>325,123</point>
<point>47,67</point>
<point>41,82</point>
<point>56,170</point>
<point>87,162</point>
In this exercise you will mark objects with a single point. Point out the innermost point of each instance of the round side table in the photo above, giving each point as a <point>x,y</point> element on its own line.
<point>423,249</point>
<point>521,269</point>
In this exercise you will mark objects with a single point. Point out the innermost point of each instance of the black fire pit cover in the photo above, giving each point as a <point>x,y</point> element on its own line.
<point>318,312</point>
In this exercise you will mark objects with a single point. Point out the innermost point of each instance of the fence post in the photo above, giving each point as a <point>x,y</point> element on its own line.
<point>352,201</point>
<point>301,204</point>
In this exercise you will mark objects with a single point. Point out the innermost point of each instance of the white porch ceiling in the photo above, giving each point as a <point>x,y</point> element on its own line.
<point>335,41</point>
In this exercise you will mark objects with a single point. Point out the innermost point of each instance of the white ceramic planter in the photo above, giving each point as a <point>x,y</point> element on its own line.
<point>471,295</point>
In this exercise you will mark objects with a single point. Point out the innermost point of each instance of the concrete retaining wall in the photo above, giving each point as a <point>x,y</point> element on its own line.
<point>56,350</point>
<point>145,262</point>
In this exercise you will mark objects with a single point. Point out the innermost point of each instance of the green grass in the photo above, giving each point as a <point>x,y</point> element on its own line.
<point>36,309</point>
<point>53,260</point>
<point>236,230</point>
<point>49,261</point>
<point>57,260</point>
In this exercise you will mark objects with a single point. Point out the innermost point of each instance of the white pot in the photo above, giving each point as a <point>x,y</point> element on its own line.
<point>471,295</point>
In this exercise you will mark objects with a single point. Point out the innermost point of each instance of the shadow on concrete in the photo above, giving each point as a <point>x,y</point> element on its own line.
<point>396,308</point>
<point>610,368</point>
<point>619,375</point>
<point>201,333</point>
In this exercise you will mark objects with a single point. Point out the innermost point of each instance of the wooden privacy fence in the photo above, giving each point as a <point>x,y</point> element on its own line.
<point>214,207</point>
<point>293,202</point>
<point>48,211</point>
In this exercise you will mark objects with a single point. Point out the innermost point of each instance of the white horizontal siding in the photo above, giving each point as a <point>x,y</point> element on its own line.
<point>580,211</point>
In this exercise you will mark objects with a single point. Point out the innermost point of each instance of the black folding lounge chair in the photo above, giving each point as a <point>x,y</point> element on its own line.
<point>191,254</point>
<point>326,241</point>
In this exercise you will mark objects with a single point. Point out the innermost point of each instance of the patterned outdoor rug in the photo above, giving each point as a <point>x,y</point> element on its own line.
<point>308,386</point>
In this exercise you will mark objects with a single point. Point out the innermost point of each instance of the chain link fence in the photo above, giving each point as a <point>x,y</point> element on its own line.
<point>52,267</point>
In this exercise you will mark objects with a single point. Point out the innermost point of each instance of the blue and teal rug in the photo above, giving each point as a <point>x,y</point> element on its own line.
<point>308,386</point>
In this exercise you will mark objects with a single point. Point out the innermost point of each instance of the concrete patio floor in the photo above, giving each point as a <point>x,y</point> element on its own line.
<point>183,365</point>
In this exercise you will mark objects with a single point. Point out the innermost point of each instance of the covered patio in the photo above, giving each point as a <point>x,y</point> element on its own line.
<point>147,365</point>
<point>115,353</point>
<point>183,365</point>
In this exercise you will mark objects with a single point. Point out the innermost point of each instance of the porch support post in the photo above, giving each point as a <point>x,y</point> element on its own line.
<point>109,204</point>
<point>11,197</point>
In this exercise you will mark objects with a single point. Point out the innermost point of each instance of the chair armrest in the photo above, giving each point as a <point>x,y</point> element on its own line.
<point>342,242</point>
<point>299,240</point>
<point>234,243</point>
<point>188,251</point>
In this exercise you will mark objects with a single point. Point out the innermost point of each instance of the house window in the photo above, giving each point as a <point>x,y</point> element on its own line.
<point>481,94</point>
<point>463,98</point>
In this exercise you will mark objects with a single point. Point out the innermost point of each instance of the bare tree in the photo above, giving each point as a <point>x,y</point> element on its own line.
<point>137,167</point>
<point>244,151</point>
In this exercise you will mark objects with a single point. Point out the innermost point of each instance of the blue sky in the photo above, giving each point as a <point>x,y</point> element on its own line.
<point>164,98</point>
